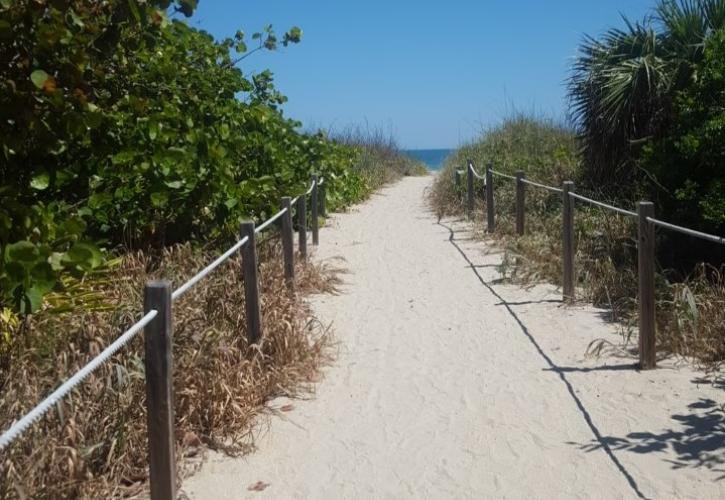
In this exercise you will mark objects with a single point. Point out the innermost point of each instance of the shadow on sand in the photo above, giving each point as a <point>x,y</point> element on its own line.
<point>697,438</point>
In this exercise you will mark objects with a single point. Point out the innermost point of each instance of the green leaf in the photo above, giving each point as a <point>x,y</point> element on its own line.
<point>33,300</point>
<point>39,77</point>
<point>22,251</point>
<point>41,181</point>
<point>174,184</point>
<point>134,10</point>
<point>159,199</point>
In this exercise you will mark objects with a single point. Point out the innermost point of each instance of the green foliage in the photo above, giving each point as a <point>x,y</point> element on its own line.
<point>543,149</point>
<point>623,83</point>
<point>688,159</point>
<point>120,126</point>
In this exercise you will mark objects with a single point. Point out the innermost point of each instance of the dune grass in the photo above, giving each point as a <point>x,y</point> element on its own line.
<point>690,319</point>
<point>94,444</point>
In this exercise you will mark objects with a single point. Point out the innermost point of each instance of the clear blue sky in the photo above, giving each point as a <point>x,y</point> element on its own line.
<point>433,73</point>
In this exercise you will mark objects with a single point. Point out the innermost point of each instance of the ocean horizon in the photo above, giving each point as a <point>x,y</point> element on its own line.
<point>434,159</point>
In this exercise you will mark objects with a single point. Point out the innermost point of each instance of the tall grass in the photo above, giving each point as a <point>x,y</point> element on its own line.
<point>380,159</point>
<point>94,443</point>
<point>689,311</point>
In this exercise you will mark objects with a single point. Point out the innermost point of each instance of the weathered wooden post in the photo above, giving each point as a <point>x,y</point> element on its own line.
<point>302,225</point>
<point>288,250</point>
<point>568,240</point>
<point>315,206</point>
<point>646,265</point>
<point>251,283</point>
<point>323,197</point>
<point>520,202</point>
<point>490,214</point>
<point>159,391</point>
<point>469,189</point>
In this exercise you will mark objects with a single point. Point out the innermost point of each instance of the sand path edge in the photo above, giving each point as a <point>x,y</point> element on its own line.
<point>448,385</point>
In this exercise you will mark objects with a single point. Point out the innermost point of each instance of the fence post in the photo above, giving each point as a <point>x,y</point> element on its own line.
<point>469,189</point>
<point>490,214</point>
<point>568,240</point>
<point>646,265</point>
<point>323,198</point>
<point>520,202</point>
<point>302,223</point>
<point>315,206</point>
<point>288,251</point>
<point>159,391</point>
<point>251,283</point>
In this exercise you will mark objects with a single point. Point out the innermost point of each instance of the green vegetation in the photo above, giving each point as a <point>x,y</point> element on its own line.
<point>689,311</point>
<point>647,101</point>
<point>132,146</point>
<point>124,128</point>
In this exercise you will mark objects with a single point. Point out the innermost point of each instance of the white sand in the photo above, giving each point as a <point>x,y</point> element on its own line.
<point>439,393</point>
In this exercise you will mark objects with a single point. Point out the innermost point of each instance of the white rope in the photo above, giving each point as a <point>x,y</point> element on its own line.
<point>294,200</point>
<point>603,205</point>
<point>204,272</point>
<point>36,413</point>
<point>322,181</point>
<point>688,231</point>
<point>312,186</point>
<point>270,221</point>
<point>544,186</point>
<point>503,175</point>
<point>30,418</point>
<point>476,174</point>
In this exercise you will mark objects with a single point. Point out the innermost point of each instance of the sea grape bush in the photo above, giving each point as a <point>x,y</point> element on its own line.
<point>122,125</point>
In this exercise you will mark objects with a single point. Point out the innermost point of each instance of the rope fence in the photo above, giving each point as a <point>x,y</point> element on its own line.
<point>542,186</point>
<point>645,242</point>
<point>156,324</point>
<point>603,205</point>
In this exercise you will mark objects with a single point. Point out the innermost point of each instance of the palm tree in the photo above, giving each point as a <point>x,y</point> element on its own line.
<point>622,84</point>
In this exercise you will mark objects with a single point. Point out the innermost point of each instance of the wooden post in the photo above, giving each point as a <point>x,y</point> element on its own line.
<point>315,206</point>
<point>568,241</point>
<point>469,189</point>
<point>490,214</point>
<point>302,225</point>
<point>323,198</point>
<point>251,283</point>
<point>159,391</point>
<point>288,249</point>
<point>646,264</point>
<point>520,202</point>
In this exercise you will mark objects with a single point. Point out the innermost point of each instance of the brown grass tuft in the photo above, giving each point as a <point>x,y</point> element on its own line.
<point>94,444</point>
<point>690,312</point>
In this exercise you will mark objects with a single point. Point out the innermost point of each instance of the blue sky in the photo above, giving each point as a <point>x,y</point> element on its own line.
<point>433,73</point>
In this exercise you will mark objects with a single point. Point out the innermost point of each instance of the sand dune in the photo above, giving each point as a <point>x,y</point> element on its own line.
<point>448,387</point>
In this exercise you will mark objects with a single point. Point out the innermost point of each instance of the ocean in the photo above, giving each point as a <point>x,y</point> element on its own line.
<point>433,158</point>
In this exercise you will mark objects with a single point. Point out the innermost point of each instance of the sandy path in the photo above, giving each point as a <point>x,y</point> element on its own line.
<point>441,390</point>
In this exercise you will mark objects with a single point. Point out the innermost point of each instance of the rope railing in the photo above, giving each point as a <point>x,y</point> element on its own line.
<point>476,174</point>
<point>543,186</point>
<point>160,474</point>
<point>603,205</point>
<point>270,221</point>
<point>208,269</point>
<point>501,174</point>
<point>645,243</point>
<point>42,408</point>
<point>687,231</point>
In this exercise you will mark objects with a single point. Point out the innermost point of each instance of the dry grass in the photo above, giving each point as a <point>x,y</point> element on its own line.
<point>94,444</point>
<point>690,310</point>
